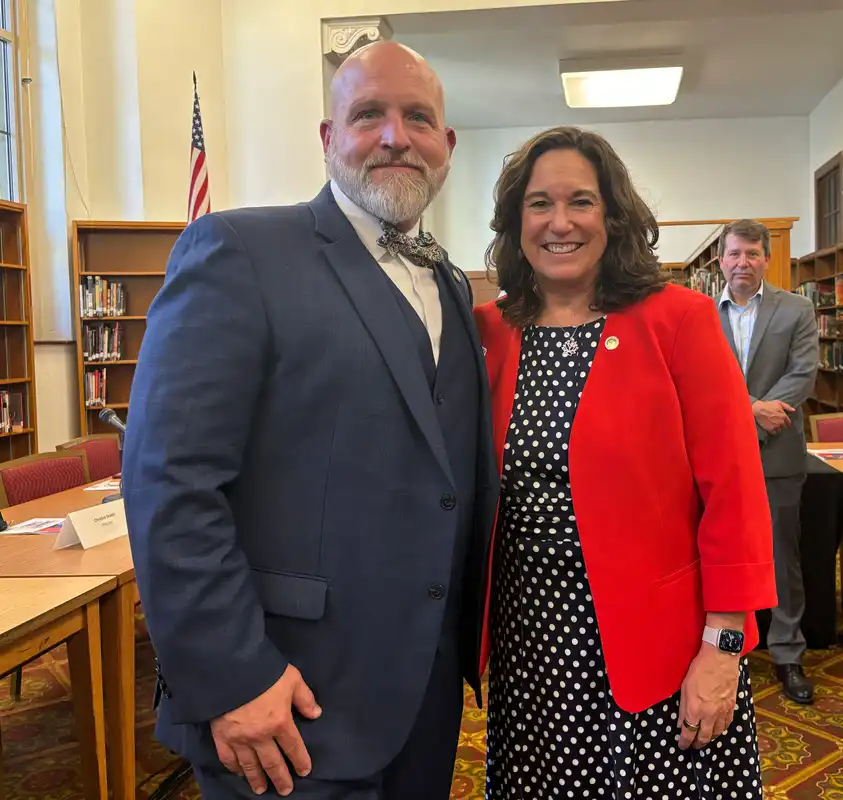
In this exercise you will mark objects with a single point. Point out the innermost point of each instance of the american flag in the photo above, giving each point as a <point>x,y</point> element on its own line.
<point>199,199</point>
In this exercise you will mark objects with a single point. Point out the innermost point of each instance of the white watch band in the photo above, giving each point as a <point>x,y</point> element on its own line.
<point>711,636</point>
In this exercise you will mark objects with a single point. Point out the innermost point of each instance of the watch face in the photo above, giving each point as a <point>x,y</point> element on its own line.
<point>731,641</point>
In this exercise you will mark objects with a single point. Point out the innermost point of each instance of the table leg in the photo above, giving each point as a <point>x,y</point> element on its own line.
<point>118,638</point>
<point>2,790</point>
<point>84,655</point>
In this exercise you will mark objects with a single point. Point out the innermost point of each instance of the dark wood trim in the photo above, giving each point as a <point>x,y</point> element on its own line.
<point>829,165</point>
<point>834,163</point>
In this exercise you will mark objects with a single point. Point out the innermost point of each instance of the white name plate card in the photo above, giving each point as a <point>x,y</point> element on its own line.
<point>92,526</point>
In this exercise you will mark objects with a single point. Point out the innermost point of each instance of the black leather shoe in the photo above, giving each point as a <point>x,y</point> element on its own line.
<point>796,686</point>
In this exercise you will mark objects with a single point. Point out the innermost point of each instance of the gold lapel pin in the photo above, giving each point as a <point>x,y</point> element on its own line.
<point>612,343</point>
<point>456,274</point>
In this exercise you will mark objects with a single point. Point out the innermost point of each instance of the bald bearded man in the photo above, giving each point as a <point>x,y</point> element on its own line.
<point>308,471</point>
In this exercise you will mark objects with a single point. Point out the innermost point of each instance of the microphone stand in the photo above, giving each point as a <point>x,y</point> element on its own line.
<point>108,416</point>
<point>119,494</point>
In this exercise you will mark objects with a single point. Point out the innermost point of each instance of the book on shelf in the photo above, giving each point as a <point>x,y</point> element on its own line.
<point>820,294</point>
<point>828,325</point>
<point>809,289</point>
<point>102,341</point>
<point>11,412</point>
<point>95,385</point>
<point>831,355</point>
<point>709,282</point>
<point>100,297</point>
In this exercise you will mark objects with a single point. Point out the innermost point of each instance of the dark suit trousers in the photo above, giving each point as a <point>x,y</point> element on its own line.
<point>422,770</point>
<point>785,640</point>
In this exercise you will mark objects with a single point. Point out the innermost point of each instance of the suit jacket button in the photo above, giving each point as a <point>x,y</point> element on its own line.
<point>440,399</point>
<point>436,591</point>
<point>448,502</point>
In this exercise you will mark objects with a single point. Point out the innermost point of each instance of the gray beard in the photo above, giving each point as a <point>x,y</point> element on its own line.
<point>397,199</point>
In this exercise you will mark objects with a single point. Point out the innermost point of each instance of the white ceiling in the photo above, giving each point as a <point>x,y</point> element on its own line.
<point>742,58</point>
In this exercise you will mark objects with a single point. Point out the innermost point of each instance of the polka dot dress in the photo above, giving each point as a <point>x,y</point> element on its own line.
<point>554,730</point>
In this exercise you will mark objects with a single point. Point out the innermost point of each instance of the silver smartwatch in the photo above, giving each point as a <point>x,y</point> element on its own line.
<point>724,639</point>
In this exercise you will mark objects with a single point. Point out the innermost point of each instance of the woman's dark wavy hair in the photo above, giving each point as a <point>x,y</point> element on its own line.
<point>629,268</point>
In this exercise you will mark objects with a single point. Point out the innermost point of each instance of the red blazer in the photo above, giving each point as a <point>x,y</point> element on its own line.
<point>666,482</point>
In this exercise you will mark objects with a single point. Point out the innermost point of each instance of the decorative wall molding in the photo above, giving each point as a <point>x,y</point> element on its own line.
<point>341,37</point>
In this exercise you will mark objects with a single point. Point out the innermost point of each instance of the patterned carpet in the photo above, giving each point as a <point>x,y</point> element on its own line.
<point>801,747</point>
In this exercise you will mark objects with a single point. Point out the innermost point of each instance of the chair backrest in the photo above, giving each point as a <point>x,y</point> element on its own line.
<point>826,427</point>
<point>103,450</point>
<point>31,477</point>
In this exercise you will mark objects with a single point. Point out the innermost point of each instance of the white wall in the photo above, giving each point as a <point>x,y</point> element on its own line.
<point>825,126</point>
<point>113,143</point>
<point>274,87</point>
<point>56,188</point>
<point>191,39</point>
<point>127,96</point>
<point>685,170</point>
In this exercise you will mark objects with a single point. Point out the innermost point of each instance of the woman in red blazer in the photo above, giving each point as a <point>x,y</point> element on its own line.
<point>633,539</point>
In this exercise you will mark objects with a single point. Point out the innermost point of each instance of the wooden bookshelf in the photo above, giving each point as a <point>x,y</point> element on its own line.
<point>18,435</point>
<point>118,268</point>
<point>701,270</point>
<point>819,277</point>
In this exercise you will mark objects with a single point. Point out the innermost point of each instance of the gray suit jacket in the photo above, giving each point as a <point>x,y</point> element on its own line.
<point>782,365</point>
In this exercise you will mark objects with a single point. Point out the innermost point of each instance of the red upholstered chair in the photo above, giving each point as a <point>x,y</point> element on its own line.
<point>31,477</point>
<point>826,427</point>
<point>103,450</point>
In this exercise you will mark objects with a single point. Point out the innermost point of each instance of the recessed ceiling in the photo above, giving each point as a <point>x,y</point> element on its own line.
<point>742,58</point>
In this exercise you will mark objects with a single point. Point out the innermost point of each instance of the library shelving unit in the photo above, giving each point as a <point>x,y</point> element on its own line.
<point>819,277</point>
<point>18,418</point>
<point>118,269</point>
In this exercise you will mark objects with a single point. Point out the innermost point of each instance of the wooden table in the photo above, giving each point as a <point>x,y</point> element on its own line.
<point>820,446</point>
<point>32,555</point>
<point>36,615</point>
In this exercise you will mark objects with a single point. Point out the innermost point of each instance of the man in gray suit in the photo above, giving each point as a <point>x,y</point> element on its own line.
<point>773,334</point>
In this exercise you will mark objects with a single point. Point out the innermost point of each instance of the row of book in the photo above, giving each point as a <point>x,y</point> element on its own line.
<point>11,412</point>
<point>102,341</point>
<point>829,325</point>
<point>95,385</point>
<point>823,295</point>
<point>831,355</point>
<point>100,297</point>
<point>709,283</point>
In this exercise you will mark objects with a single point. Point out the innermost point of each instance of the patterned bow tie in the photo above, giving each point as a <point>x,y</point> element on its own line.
<point>421,250</point>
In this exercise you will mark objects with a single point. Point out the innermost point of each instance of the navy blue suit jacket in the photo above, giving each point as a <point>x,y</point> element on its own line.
<point>286,486</point>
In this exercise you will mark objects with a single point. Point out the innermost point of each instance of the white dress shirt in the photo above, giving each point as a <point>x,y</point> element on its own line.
<point>417,284</point>
<point>742,321</point>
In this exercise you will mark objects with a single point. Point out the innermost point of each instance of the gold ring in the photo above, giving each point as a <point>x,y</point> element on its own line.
<point>689,726</point>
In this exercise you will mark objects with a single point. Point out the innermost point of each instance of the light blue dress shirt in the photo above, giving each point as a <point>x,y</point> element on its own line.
<point>742,320</point>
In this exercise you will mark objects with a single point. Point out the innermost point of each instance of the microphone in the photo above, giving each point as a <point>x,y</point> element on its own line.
<point>109,416</point>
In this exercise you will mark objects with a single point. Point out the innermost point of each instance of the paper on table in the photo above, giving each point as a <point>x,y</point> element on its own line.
<point>109,485</point>
<point>833,454</point>
<point>37,525</point>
